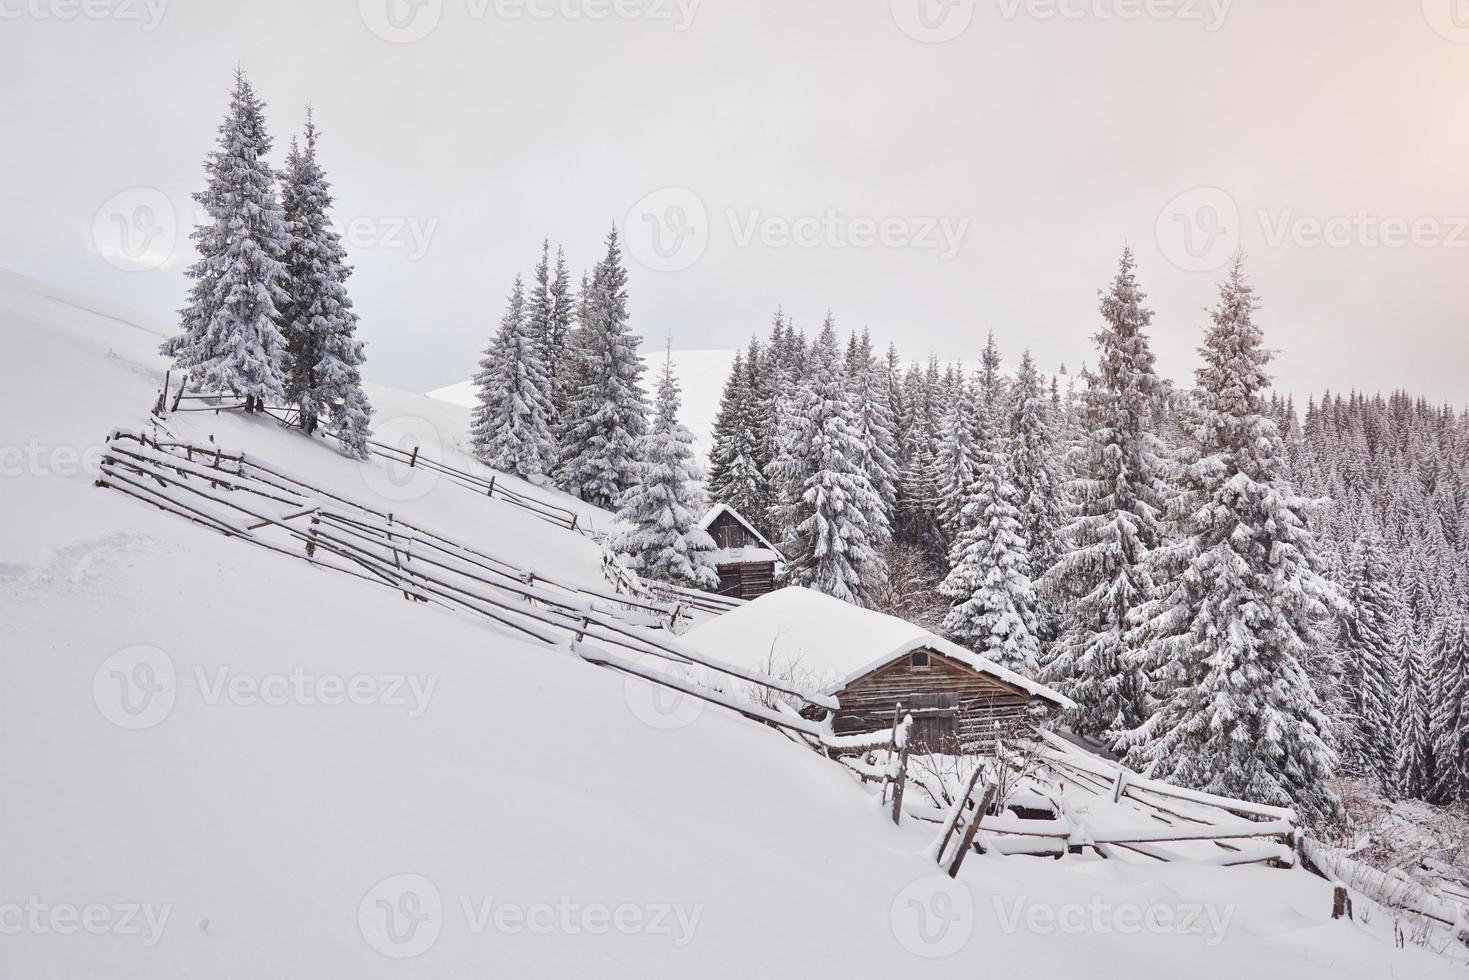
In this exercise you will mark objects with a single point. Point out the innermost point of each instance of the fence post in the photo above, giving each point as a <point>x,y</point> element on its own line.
<point>968,792</point>
<point>491,492</point>
<point>413,460</point>
<point>892,747</point>
<point>990,792</point>
<point>1341,905</point>
<point>902,776</point>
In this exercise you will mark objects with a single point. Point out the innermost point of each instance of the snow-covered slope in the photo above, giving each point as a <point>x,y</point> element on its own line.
<point>221,762</point>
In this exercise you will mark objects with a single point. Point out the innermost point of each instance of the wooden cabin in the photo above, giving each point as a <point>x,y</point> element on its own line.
<point>878,665</point>
<point>745,560</point>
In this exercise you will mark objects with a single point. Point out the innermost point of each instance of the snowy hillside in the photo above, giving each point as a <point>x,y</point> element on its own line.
<point>222,761</point>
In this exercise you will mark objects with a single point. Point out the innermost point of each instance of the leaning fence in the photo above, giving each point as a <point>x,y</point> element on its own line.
<point>245,497</point>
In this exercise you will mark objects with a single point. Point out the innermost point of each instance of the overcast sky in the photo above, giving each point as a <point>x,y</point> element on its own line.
<point>933,169</point>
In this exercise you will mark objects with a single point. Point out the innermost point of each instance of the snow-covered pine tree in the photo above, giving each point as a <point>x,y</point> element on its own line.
<point>1237,714</point>
<point>1448,657</point>
<point>664,541</point>
<point>1414,764</point>
<point>1035,467</point>
<point>735,474</point>
<point>1100,577</point>
<point>606,413</point>
<point>988,586</point>
<point>511,425</point>
<point>963,434</point>
<point>324,357</point>
<point>540,306</point>
<point>230,341</point>
<point>1367,662</point>
<point>866,382</point>
<point>991,390</point>
<point>839,522</point>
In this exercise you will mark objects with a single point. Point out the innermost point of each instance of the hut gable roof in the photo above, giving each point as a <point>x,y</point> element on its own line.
<point>833,641</point>
<point>734,556</point>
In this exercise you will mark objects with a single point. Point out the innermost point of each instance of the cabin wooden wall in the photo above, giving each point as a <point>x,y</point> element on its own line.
<point>982,708</point>
<point>747,581</point>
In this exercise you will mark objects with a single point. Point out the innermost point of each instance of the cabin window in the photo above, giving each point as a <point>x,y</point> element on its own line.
<point>918,660</point>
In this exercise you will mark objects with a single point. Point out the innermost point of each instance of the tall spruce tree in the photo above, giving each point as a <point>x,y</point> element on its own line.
<point>1367,656</point>
<point>511,425</point>
<point>230,341</point>
<point>664,540</point>
<point>1101,577</point>
<point>838,520</point>
<point>606,413</point>
<point>1035,467</point>
<point>874,419</point>
<point>1236,713</point>
<point>962,437</point>
<point>1414,763</point>
<point>988,587</point>
<point>324,357</point>
<point>735,474</point>
<point>1448,655</point>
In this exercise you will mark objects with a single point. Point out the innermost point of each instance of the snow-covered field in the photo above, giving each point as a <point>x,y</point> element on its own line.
<point>222,762</point>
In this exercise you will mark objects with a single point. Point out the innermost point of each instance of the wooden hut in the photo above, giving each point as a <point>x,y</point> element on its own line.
<point>877,665</point>
<point>746,561</point>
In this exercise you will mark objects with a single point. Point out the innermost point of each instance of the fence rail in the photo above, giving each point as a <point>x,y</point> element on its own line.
<point>244,497</point>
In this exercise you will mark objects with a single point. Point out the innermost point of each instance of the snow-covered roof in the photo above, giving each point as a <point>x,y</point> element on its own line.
<point>718,509</point>
<point>831,640</point>
<point>744,556</point>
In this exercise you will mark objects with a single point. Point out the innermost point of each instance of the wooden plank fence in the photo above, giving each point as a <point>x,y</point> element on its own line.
<point>243,497</point>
